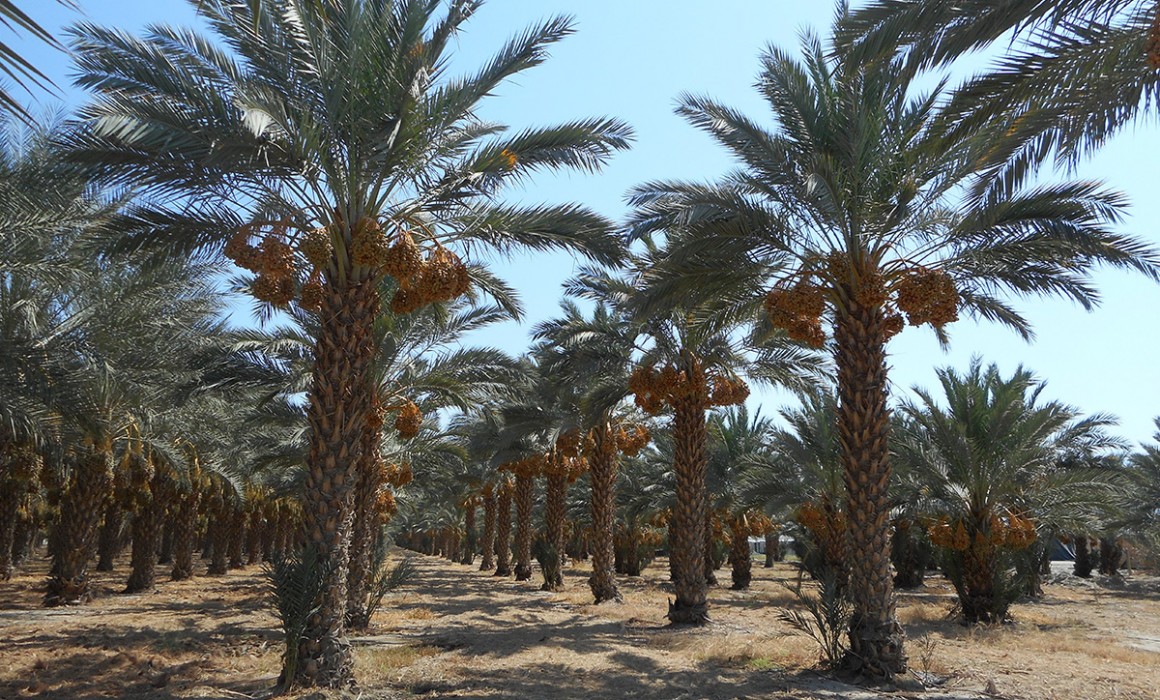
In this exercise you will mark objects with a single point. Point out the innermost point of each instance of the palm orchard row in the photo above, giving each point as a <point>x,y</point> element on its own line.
<point>324,149</point>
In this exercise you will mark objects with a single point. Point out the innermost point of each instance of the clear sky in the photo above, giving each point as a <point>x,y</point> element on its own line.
<point>631,58</point>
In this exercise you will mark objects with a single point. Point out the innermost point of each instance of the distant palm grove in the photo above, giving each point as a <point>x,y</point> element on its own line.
<point>320,157</point>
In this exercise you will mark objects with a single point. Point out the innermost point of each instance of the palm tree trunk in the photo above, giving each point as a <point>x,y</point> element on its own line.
<point>340,403</point>
<point>109,541</point>
<point>1083,556</point>
<point>185,533</point>
<point>503,531</point>
<point>489,523</point>
<point>909,557</point>
<point>740,560</point>
<point>978,598</point>
<point>22,539</point>
<point>255,529</point>
<point>11,492</point>
<point>150,509</point>
<point>1111,556</point>
<point>772,548</point>
<point>710,550</point>
<point>269,529</point>
<point>237,534</point>
<point>876,638</point>
<point>165,553</point>
<point>369,481</point>
<point>555,511</point>
<point>468,554</point>
<point>217,533</point>
<point>687,534</point>
<point>75,540</point>
<point>602,478</point>
<point>524,496</point>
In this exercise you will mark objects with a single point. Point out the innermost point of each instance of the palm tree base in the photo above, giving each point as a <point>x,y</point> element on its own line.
<point>604,591</point>
<point>876,649</point>
<point>695,614</point>
<point>63,590</point>
<point>325,663</point>
<point>523,572</point>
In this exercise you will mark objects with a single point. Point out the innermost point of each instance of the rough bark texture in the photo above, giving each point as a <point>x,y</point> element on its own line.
<point>218,532</point>
<point>184,533</point>
<point>1083,556</point>
<point>876,638</point>
<point>602,479</point>
<point>165,554</point>
<point>740,560</point>
<point>503,531</point>
<point>340,402</point>
<point>909,555</point>
<point>710,550</point>
<point>75,540</point>
<point>977,595</point>
<point>772,549</point>
<point>687,534</point>
<point>467,556</point>
<point>524,496</point>
<point>109,540</point>
<point>255,528</point>
<point>26,529</point>
<point>237,538</point>
<point>11,492</point>
<point>149,510</point>
<point>369,481</point>
<point>489,523</point>
<point>555,512</point>
<point>1111,556</point>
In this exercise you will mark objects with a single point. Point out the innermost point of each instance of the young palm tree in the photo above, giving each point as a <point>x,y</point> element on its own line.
<point>336,130</point>
<point>1143,514</point>
<point>801,479</point>
<point>994,470</point>
<point>736,442</point>
<point>852,209</point>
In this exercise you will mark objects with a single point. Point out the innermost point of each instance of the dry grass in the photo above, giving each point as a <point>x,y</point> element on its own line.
<point>458,632</point>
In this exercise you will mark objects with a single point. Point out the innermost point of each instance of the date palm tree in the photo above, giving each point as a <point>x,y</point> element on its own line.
<point>852,209</point>
<point>1000,468</point>
<point>1075,71</point>
<point>1142,521</point>
<point>736,441</point>
<point>15,66</point>
<point>595,353</point>
<point>328,144</point>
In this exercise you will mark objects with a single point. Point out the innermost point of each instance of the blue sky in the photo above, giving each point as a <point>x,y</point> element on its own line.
<point>631,59</point>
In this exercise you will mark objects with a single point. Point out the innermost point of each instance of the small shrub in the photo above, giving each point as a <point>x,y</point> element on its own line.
<point>386,578</point>
<point>296,583</point>
<point>825,617</point>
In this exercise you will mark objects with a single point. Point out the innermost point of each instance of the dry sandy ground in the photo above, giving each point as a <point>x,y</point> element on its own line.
<point>457,633</point>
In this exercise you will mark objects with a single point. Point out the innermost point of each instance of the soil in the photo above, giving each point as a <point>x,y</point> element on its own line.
<point>455,632</point>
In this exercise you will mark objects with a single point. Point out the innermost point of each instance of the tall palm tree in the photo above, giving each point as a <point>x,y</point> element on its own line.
<point>1075,71</point>
<point>595,353</point>
<point>332,134</point>
<point>994,470</point>
<point>852,209</point>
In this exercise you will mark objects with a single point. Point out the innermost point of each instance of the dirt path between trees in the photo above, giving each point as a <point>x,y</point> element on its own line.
<point>455,632</point>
